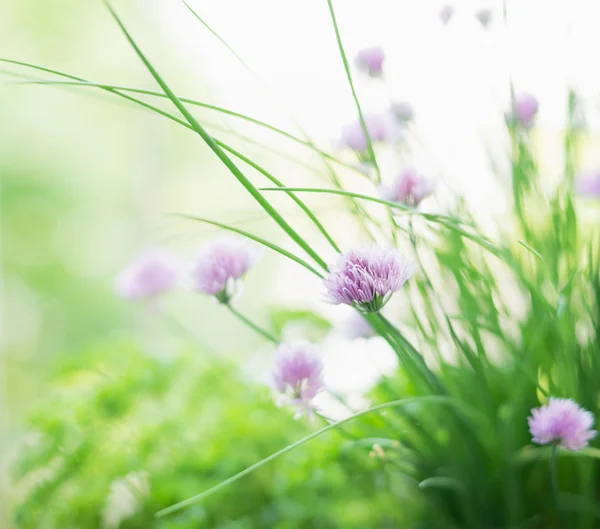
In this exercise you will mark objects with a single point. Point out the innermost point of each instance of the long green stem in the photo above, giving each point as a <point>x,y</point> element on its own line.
<point>354,95</point>
<point>554,486</point>
<point>255,327</point>
<point>289,448</point>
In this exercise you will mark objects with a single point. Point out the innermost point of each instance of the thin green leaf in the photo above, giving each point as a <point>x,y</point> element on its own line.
<point>356,101</point>
<point>278,183</point>
<point>252,468</point>
<point>255,238</point>
<point>216,149</point>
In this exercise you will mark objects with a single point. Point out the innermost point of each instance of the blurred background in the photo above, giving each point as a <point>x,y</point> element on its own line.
<point>88,180</point>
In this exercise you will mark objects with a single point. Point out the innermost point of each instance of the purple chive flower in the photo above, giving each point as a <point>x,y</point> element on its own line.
<point>298,375</point>
<point>446,13</point>
<point>151,273</point>
<point>354,137</point>
<point>356,326</point>
<point>366,278</point>
<point>525,110</point>
<point>370,60</point>
<point>219,264</point>
<point>562,423</point>
<point>484,16</point>
<point>403,111</point>
<point>409,188</point>
<point>588,184</point>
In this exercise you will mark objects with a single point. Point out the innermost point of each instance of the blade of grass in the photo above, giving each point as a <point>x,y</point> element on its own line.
<point>301,204</point>
<point>289,448</point>
<point>354,95</point>
<point>216,149</point>
<point>78,81</point>
<point>255,238</point>
<point>278,183</point>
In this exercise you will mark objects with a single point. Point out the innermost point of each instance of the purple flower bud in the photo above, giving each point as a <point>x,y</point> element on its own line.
<point>588,184</point>
<point>219,264</point>
<point>354,137</point>
<point>446,13</point>
<point>370,60</point>
<point>563,423</point>
<point>409,188</point>
<point>151,273</point>
<point>298,375</point>
<point>366,278</point>
<point>484,16</point>
<point>525,110</point>
<point>403,111</point>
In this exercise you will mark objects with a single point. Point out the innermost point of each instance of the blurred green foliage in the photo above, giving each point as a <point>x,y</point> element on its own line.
<point>166,429</point>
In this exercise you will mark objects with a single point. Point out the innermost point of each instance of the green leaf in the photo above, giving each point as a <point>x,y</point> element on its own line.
<point>216,149</point>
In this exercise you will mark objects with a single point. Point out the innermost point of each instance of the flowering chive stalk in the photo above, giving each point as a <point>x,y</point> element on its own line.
<point>562,423</point>
<point>152,273</point>
<point>409,188</point>
<point>220,265</point>
<point>370,60</point>
<point>298,375</point>
<point>366,278</point>
<point>353,136</point>
<point>525,110</point>
<point>403,111</point>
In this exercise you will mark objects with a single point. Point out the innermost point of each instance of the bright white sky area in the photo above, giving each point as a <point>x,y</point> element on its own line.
<point>456,75</point>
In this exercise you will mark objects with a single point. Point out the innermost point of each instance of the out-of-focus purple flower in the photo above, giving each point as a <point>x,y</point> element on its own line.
<point>446,13</point>
<point>151,273</point>
<point>525,110</point>
<point>484,15</point>
<point>366,278</point>
<point>588,184</point>
<point>354,137</point>
<point>409,188</point>
<point>403,111</point>
<point>356,326</point>
<point>298,375</point>
<point>563,423</point>
<point>370,60</point>
<point>219,264</point>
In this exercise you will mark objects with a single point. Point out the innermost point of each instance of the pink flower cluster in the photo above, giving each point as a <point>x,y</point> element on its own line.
<point>563,423</point>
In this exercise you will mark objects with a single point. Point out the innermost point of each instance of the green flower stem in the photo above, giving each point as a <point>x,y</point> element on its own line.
<point>554,486</point>
<point>256,328</point>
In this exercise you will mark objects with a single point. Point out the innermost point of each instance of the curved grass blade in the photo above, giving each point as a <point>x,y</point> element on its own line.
<point>278,183</point>
<point>255,238</point>
<point>78,81</point>
<point>263,171</point>
<point>216,149</point>
<point>252,468</point>
<point>356,101</point>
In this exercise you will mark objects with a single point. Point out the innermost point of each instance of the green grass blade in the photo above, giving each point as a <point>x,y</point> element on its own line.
<point>354,95</point>
<point>255,238</point>
<point>278,183</point>
<point>300,203</point>
<point>256,466</point>
<point>78,82</point>
<point>216,149</point>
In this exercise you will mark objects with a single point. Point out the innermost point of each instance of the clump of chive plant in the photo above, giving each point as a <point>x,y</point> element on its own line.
<point>219,266</point>
<point>367,277</point>
<point>150,274</point>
